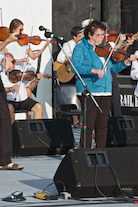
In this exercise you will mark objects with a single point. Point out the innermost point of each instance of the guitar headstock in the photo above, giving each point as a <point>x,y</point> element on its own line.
<point>135,36</point>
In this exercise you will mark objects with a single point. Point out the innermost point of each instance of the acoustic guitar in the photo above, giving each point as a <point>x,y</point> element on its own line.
<point>64,72</point>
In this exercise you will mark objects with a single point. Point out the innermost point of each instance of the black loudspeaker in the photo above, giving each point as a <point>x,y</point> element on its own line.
<point>60,132</point>
<point>122,131</point>
<point>99,172</point>
<point>37,136</point>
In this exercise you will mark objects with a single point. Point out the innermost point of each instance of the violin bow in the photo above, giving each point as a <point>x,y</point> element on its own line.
<point>1,17</point>
<point>106,31</point>
<point>23,69</point>
<point>105,64</point>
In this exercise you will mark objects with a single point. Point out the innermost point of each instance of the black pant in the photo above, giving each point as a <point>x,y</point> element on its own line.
<point>5,129</point>
<point>115,99</point>
<point>96,120</point>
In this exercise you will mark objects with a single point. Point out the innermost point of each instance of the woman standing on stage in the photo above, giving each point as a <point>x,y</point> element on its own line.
<point>99,82</point>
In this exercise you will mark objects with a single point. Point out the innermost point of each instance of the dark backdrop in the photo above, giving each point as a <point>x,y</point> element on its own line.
<point>121,15</point>
<point>69,13</point>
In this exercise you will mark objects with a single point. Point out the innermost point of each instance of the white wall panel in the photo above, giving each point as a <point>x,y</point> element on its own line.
<point>33,13</point>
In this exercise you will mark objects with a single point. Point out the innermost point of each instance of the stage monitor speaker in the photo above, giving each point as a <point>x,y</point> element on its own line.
<point>99,172</point>
<point>42,136</point>
<point>30,137</point>
<point>60,132</point>
<point>122,131</point>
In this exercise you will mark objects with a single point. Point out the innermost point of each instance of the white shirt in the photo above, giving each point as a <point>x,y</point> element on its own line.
<point>134,73</point>
<point>18,52</point>
<point>1,56</point>
<point>68,47</point>
<point>21,95</point>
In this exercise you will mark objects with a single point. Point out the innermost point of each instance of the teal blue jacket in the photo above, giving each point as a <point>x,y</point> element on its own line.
<point>84,59</point>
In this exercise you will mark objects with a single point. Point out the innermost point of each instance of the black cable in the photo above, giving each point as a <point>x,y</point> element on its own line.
<point>127,137</point>
<point>44,142</point>
<point>64,188</point>
<point>115,177</point>
<point>96,183</point>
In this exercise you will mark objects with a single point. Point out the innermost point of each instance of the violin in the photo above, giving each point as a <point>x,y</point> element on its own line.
<point>103,50</point>
<point>23,39</point>
<point>16,75</point>
<point>111,36</point>
<point>35,40</point>
<point>4,33</point>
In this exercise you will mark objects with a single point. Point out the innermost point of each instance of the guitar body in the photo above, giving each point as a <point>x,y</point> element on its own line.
<point>64,72</point>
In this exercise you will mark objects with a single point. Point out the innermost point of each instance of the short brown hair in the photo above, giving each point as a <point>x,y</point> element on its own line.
<point>92,27</point>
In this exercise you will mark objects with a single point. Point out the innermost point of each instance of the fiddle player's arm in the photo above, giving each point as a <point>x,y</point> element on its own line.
<point>13,88</point>
<point>22,60</point>
<point>8,65</point>
<point>99,72</point>
<point>121,40</point>
<point>11,38</point>
<point>130,59</point>
<point>33,55</point>
<point>34,83</point>
<point>130,42</point>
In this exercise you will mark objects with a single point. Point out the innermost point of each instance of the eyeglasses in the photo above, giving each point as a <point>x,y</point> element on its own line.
<point>100,35</point>
<point>13,61</point>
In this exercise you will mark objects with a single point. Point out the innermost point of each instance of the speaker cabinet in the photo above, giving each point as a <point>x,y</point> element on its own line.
<point>61,134</point>
<point>94,173</point>
<point>38,137</point>
<point>30,137</point>
<point>122,131</point>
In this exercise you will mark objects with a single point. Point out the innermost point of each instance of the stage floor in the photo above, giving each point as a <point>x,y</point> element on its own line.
<point>37,174</point>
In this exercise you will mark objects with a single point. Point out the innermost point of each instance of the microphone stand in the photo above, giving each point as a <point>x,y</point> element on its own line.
<point>85,93</point>
<point>55,79</point>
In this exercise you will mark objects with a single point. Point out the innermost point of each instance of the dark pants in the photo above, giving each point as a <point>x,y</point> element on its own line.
<point>115,99</point>
<point>5,129</point>
<point>96,120</point>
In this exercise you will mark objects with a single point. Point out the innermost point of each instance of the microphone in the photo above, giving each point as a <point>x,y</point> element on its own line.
<point>50,34</point>
<point>92,7</point>
<point>41,28</point>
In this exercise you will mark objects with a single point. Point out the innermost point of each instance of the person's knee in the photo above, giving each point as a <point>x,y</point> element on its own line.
<point>37,107</point>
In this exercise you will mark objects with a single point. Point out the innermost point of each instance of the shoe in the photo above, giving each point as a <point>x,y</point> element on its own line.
<point>5,167</point>
<point>13,167</point>
<point>77,126</point>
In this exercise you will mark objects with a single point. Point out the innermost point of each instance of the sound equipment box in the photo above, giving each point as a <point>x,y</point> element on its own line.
<point>42,136</point>
<point>122,131</point>
<point>86,173</point>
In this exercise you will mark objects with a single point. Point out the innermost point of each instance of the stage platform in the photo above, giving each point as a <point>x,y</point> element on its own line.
<point>37,174</point>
